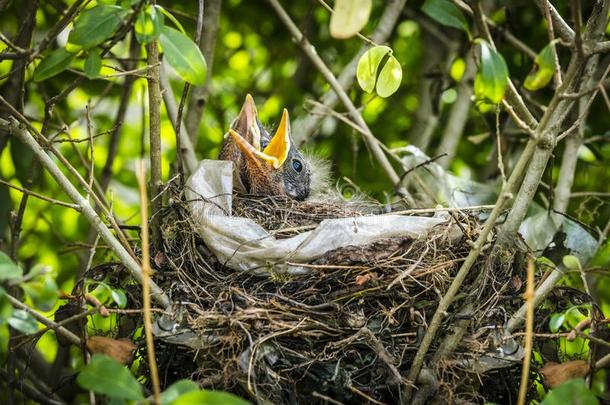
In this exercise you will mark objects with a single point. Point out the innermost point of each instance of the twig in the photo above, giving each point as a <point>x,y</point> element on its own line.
<point>563,29</point>
<point>369,138</point>
<point>146,271</point>
<point>44,320</point>
<point>199,94</point>
<point>132,266</point>
<point>529,329</point>
<point>186,146</point>
<point>154,106</point>
<point>40,196</point>
<point>547,14</point>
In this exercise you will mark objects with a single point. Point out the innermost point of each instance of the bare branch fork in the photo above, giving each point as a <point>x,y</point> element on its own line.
<point>12,126</point>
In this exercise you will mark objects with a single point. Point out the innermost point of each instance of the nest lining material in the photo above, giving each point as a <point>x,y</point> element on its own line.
<point>348,329</point>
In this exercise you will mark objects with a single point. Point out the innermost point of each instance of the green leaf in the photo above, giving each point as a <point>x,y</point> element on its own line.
<point>93,64</point>
<point>176,390</point>
<point>106,376</point>
<point>571,262</point>
<point>572,392</point>
<point>53,64</point>
<point>542,71</point>
<point>184,56</point>
<point>368,66</point>
<point>119,297</point>
<point>95,25</point>
<point>390,77</point>
<point>43,293</point>
<point>349,17</point>
<point>171,18</point>
<point>23,322</point>
<point>446,13</point>
<point>492,79</point>
<point>148,25</point>
<point>556,321</point>
<point>8,269</point>
<point>209,397</point>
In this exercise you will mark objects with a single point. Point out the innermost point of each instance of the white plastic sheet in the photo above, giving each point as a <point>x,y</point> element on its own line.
<point>243,245</point>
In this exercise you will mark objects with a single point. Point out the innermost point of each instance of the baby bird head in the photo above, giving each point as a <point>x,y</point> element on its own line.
<point>268,165</point>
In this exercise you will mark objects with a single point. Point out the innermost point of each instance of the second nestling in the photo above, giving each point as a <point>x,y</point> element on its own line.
<point>265,164</point>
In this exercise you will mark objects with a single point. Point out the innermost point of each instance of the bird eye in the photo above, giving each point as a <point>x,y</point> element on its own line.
<point>297,166</point>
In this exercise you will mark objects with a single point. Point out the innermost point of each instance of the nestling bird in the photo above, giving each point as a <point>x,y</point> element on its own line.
<point>265,164</point>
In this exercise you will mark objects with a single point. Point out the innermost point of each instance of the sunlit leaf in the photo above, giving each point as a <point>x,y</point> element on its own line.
<point>183,55</point>
<point>556,321</point>
<point>492,78</point>
<point>119,297</point>
<point>148,25</point>
<point>571,262</point>
<point>171,18</point>
<point>446,13</point>
<point>176,390</point>
<point>95,25</point>
<point>210,398</point>
<point>53,64</point>
<point>543,70</point>
<point>349,17</point>
<point>23,322</point>
<point>368,67</point>
<point>43,292</point>
<point>8,269</point>
<point>389,78</point>
<point>104,375</point>
<point>572,392</point>
<point>93,64</point>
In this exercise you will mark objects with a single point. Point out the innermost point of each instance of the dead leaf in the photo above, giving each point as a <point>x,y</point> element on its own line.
<point>557,373</point>
<point>119,349</point>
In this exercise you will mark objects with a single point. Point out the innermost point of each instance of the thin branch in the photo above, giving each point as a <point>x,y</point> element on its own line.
<point>529,330</point>
<point>40,196</point>
<point>44,320</point>
<point>561,26</point>
<point>199,94</point>
<point>128,261</point>
<point>186,146</point>
<point>146,271</point>
<point>156,176</point>
<point>547,14</point>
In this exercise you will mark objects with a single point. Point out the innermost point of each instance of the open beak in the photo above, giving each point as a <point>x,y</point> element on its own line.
<point>280,142</point>
<point>251,153</point>
<point>247,123</point>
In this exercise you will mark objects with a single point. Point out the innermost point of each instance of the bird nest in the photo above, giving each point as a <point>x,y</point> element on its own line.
<point>346,331</point>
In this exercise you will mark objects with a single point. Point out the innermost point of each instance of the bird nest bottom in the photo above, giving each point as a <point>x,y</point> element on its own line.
<point>347,331</point>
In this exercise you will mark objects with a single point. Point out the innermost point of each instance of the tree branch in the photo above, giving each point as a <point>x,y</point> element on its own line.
<point>156,177</point>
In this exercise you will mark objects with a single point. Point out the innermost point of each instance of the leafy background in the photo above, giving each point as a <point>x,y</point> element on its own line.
<point>255,54</point>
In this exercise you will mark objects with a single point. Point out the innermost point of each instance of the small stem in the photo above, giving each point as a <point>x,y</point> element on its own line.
<point>146,272</point>
<point>154,103</point>
<point>529,331</point>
